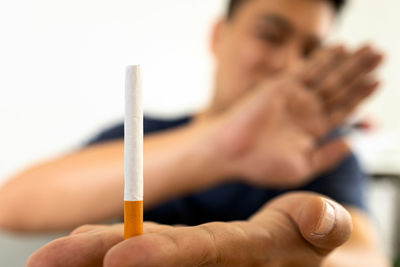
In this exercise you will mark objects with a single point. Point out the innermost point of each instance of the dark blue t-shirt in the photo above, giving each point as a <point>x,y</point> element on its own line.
<point>238,201</point>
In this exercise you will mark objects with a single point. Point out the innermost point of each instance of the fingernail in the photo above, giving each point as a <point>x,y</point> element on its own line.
<point>327,220</point>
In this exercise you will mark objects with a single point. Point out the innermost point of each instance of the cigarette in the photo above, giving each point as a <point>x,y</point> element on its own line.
<point>133,153</point>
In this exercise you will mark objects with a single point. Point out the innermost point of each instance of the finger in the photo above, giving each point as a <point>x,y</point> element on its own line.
<point>329,155</point>
<point>340,115</point>
<point>343,98</point>
<point>356,100</point>
<point>323,223</point>
<point>212,244</point>
<point>86,246</point>
<point>169,248</point>
<point>80,249</point>
<point>360,63</point>
<point>322,63</point>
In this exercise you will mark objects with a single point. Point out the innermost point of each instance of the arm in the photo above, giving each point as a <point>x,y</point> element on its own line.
<point>87,185</point>
<point>63,192</point>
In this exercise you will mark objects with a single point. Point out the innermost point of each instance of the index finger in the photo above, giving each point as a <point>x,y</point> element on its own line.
<point>79,250</point>
<point>322,63</point>
<point>86,246</point>
<point>358,65</point>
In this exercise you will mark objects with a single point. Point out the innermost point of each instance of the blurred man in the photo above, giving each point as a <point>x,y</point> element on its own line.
<point>264,133</point>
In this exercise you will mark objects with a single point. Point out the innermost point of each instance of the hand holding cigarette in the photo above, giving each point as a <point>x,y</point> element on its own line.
<point>286,224</point>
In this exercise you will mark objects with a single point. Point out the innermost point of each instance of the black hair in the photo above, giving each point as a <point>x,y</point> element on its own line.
<point>233,6</point>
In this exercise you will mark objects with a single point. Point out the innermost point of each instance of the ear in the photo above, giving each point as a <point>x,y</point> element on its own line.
<point>217,35</point>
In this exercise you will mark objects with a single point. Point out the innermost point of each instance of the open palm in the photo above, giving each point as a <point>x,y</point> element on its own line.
<point>273,136</point>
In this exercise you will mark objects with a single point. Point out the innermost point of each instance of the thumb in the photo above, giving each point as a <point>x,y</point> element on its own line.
<point>322,222</point>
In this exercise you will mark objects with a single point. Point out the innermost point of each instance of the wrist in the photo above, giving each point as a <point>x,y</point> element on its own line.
<point>208,148</point>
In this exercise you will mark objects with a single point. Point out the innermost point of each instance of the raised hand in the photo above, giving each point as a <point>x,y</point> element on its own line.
<point>342,79</point>
<point>298,229</point>
<point>272,136</point>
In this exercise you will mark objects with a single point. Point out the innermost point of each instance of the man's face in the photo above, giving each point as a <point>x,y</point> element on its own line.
<point>265,38</point>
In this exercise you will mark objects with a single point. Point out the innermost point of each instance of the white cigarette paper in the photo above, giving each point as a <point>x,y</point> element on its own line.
<point>133,149</point>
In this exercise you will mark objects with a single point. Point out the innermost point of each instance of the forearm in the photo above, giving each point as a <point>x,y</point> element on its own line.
<point>82,187</point>
<point>87,186</point>
<point>180,162</point>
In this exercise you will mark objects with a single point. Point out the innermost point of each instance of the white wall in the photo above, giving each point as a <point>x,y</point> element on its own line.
<point>62,65</point>
<point>62,68</point>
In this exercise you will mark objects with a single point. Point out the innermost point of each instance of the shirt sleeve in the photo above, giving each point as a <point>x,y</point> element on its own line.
<point>346,184</point>
<point>112,133</point>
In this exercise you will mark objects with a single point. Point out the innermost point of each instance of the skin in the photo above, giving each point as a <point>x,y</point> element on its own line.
<point>262,68</point>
